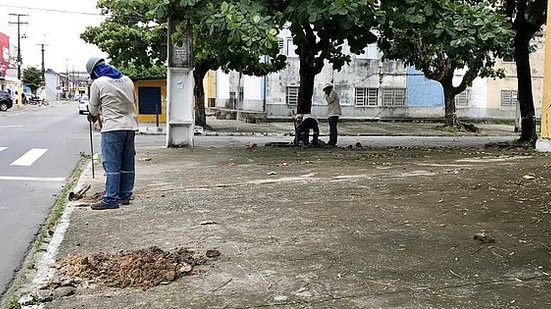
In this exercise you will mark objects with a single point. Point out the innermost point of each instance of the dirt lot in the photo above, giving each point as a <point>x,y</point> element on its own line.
<point>333,228</point>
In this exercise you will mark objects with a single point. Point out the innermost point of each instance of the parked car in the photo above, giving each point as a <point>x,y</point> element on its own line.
<point>5,101</point>
<point>83,104</point>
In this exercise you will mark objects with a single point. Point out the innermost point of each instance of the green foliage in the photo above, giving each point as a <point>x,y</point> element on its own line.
<point>154,71</point>
<point>13,302</point>
<point>132,38</point>
<point>321,27</point>
<point>438,37</point>
<point>232,35</point>
<point>32,77</point>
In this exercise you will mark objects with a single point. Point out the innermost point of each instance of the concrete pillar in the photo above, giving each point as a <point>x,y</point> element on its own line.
<point>180,113</point>
<point>180,118</point>
<point>544,142</point>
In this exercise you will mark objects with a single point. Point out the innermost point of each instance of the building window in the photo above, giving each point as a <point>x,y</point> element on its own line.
<point>394,97</point>
<point>462,99</point>
<point>290,48</point>
<point>280,43</point>
<point>366,96</point>
<point>291,97</point>
<point>508,98</point>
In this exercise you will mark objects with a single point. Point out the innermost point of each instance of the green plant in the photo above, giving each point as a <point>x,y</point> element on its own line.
<point>58,208</point>
<point>13,302</point>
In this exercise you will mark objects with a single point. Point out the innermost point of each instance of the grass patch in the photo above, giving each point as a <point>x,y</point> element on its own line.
<point>57,210</point>
<point>13,302</point>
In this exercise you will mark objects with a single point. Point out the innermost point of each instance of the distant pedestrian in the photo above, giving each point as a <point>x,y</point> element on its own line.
<point>333,112</point>
<point>112,95</point>
<point>306,123</point>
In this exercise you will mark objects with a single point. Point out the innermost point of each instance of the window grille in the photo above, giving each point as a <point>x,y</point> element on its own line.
<point>292,95</point>
<point>280,43</point>
<point>509,98</point>
<point>366,96</point>
<point>394,97</point>
<point>462,99</point>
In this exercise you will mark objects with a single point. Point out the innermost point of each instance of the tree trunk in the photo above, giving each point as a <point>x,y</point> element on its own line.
<point>199,96</point>
<point>306,89</point>
<point>450,116</point>
<point>525,95</point>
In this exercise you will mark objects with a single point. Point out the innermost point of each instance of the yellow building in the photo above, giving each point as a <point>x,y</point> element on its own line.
<point>151,95</point>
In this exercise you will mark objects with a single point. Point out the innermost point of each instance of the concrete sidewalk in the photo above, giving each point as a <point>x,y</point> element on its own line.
<point>346,128</point>
<point>397,227</point>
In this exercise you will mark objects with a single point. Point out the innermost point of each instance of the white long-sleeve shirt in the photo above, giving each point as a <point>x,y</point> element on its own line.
<point>115,99</point>
<point>333,104</point>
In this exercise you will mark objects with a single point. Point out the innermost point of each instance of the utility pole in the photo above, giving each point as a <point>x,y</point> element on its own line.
<point>73,78</point>
<point>67,75</point>
<point>43,68</point>
<point>19,23</point>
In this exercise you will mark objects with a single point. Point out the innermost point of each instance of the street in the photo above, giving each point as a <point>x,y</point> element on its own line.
<point>39,149</point>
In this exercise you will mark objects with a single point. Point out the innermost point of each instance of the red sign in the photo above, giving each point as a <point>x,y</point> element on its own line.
<point>4,53</point>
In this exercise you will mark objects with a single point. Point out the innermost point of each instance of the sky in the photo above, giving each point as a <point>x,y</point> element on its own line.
<point>57,23</point>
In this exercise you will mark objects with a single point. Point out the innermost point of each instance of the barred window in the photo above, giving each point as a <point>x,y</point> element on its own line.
<point>509,98</point>
<point>280,44</point>
<point>291,97</point>
<point>394,97</point>
<point>462,99</point>
<point>366,96</point>
<point>291,48</point>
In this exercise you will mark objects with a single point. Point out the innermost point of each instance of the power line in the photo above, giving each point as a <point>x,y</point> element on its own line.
<point>50,10</point>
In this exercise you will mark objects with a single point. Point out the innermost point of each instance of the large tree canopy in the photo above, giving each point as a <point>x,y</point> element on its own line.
<point>232,35</point>
<point>439,37</point>
<point>133,39</point>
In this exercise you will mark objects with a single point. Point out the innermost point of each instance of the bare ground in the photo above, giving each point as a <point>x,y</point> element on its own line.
<point>319,228</point>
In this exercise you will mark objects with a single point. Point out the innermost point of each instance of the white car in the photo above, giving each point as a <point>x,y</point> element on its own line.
<point>83,104</point>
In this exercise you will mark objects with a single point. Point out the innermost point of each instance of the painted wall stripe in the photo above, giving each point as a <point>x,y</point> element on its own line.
<point>30,157</point>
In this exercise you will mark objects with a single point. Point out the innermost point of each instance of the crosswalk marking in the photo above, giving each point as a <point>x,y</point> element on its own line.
<point>44,179</point>
<point>30,157</point>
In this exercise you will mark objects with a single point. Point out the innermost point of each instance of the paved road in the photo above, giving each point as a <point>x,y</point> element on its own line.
<point>39,149</point>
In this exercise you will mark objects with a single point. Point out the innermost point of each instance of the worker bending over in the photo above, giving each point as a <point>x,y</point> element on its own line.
<point>307,122</point>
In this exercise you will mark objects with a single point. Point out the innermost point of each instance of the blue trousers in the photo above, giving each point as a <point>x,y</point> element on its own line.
<point>117,153</point>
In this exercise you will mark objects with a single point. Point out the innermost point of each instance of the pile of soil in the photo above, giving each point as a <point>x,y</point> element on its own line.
<point>142,268</point>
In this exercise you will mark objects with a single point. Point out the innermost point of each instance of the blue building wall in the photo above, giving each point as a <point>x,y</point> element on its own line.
<point>421,91</point>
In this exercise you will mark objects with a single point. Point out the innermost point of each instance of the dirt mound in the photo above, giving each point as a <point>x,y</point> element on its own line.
<point>143,268</point>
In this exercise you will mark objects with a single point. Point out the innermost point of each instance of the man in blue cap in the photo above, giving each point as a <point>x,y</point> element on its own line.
<point>112,95</point>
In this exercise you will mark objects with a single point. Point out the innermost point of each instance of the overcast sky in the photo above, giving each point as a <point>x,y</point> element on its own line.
<point>57,23</point>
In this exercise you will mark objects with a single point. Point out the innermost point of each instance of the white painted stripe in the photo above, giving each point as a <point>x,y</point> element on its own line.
<point>3,148</point>
<point>43,179</point>
<point>11,126</point>
<point>30,157</point>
